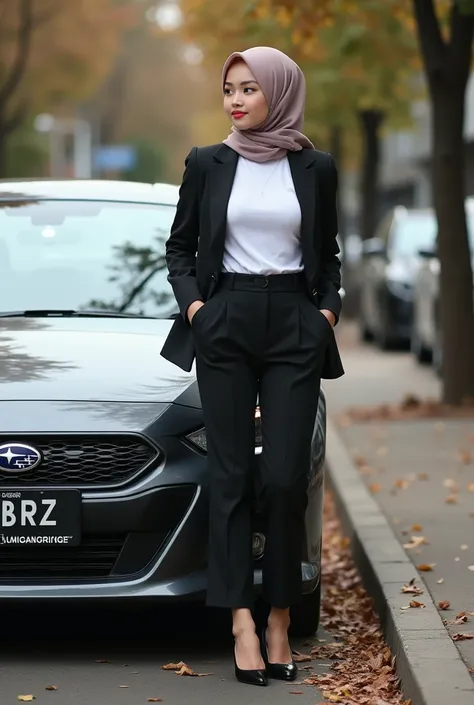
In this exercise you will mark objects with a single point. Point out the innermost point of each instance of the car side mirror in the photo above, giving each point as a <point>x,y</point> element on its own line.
<point>427,254</point>
<point>374,247</point>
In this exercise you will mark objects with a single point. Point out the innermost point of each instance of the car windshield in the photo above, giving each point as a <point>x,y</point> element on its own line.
<point>418,231</point>
<point>82,255</point>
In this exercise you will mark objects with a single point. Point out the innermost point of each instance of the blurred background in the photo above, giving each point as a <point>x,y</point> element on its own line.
<point>122,89</point>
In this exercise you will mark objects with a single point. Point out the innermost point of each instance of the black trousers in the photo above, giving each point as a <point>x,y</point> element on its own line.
<point>258,335</point>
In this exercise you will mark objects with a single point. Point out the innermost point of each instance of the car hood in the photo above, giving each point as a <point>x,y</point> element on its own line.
<point>103,359</point>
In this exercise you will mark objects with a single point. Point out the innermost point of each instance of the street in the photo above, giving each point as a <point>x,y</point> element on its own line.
<point>114,655</point>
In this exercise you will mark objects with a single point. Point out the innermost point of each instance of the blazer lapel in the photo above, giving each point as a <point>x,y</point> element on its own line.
<point>222,178</point>
<point>304,179</point>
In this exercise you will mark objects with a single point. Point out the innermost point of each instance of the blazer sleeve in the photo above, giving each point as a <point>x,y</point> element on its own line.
<point>182,244</point>
<point>330,276</point>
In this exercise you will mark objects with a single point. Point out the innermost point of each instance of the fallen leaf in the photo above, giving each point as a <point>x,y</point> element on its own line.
<point>375,487</point>
<point>102,660</point>
<point>295,692</point>
<point>173,666</point>
<point>464,456</point>
<point>416,604</point>
<point>25,698</point>
<point>471,514</point>
<point>412,589</point>
<point>451,484</point>
<point>417,527</point>
<point>401,484</point>
<point>440,581</point>
<point>155,700</point>
<point>444,604</point>
<point>451,499</point>
<point>464,547</point>
<point>51,687</point>
<point>457,559</point>
<point>470,487</point>
<point>415,542</point>
<point>300,658</point>
<point>462,637</point>
<point>423,476</point>
<point>425,567</point>
<point>124,686</point>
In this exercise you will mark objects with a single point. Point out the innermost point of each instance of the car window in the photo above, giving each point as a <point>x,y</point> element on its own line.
<point>418,231</point>
<point>85,254</point>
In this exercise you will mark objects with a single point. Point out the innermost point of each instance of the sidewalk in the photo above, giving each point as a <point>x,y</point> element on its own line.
<point>420,472</point>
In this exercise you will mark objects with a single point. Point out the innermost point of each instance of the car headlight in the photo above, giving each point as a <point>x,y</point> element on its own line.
<point>199,438</point>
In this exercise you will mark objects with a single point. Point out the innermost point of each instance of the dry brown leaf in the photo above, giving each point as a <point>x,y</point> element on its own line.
<point>451,499</point>
<point>301,658</point>
<point>26,698</point>
<point>470,567</point>
<point>51,687</point>
<point>451,484</point>
<point>415,542</point>
<point>416,604</point>
<point>417,527</point>
<point>470,487</point>
<point>124,686</point>
<point>412,589</point>
<point>444,604</point>
<point>425,567</point>
<point>464,547</point>
<point>295,692</point>
<point>440,581</point>
<point>375,487</point>
<point>464,456</point>
<point>462,637</point>
<point>423,476</point>
<point>401,484</point>
<point>173,666</point>
<point>155,700</point>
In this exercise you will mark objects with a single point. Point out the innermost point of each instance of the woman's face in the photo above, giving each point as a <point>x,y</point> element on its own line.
<point>244,101</point>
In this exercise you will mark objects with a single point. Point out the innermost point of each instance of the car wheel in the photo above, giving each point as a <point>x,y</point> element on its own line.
<point>305,616</point>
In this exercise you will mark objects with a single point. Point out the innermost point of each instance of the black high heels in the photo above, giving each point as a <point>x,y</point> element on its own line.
<point>256,676</point>
<point>279,671</point>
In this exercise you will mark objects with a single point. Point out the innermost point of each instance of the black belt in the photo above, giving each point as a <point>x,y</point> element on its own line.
<point>257,282</point>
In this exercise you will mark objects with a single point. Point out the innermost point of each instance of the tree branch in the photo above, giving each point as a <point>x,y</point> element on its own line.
<point>460,46</point>
<point>20,62</point>
<point>433,47</point>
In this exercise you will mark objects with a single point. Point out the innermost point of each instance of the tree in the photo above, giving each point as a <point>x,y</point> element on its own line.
<point>52,52</point>
<point>447,55</point>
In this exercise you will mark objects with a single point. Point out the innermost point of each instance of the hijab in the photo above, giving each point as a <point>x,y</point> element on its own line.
<point>283,85</point>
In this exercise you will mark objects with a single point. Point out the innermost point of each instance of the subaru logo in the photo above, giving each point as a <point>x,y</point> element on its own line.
<point>18,457</point>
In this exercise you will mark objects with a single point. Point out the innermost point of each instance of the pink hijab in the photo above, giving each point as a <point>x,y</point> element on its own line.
<point>283,85</point>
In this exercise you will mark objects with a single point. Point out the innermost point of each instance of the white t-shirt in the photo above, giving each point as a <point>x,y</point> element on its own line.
<point>263,220</point>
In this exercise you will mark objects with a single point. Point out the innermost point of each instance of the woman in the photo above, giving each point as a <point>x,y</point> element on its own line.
<point>252,259</point>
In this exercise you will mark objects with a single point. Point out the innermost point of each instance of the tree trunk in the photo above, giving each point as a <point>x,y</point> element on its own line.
<point>370,122</point>
<point>447,66</point>
<point>456,283</point>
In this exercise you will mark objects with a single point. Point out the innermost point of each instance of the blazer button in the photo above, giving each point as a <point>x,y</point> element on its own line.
<point>214,278</point>
<point>314,292</point>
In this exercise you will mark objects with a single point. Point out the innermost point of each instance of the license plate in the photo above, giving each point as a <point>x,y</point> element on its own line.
<point>40,517</point>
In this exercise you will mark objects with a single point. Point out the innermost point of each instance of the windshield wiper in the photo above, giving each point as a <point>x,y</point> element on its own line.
<point>69,313</point>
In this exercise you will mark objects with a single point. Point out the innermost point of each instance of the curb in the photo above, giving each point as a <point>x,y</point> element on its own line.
<point>428,663</point>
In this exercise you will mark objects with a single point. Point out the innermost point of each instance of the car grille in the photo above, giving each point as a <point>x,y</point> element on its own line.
<point>83,461</point>
<point>94,558</point>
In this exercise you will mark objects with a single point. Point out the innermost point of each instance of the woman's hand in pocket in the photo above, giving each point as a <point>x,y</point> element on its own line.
<point>329,315</point>
<point>192,309</point>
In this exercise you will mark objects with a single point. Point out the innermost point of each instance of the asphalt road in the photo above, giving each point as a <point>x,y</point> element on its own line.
<point>88,653</point>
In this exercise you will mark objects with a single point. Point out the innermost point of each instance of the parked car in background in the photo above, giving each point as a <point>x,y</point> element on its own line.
<point>388,266</point>
<point>103,467</point>
<point>426,338</point>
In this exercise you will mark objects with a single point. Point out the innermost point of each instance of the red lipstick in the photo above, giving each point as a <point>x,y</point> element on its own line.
<point>238,114</point>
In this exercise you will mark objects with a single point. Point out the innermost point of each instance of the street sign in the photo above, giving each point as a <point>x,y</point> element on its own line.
<point>115,157</point>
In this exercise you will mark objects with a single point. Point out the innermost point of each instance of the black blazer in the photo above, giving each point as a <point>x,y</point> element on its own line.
<point>194,250</point>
